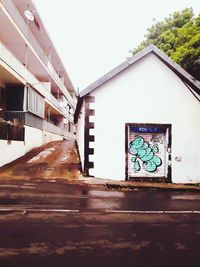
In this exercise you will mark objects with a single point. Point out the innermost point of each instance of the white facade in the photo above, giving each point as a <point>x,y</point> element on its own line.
<point>11,150</point>
<point>35,89</point>
<point>148,92</point>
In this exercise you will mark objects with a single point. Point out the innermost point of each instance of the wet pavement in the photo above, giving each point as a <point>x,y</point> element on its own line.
<point>62,195</point>
<point>58,224</point>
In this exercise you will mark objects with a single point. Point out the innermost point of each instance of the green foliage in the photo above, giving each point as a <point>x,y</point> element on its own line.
<point>179,37</point>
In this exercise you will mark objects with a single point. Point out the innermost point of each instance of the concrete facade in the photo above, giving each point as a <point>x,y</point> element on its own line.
<point>11,150</point>
<point>36,93</point>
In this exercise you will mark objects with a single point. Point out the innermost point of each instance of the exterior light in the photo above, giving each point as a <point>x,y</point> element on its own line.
<point>29,15</point>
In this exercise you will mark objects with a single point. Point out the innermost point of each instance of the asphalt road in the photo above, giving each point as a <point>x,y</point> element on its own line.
<point>56,224</point>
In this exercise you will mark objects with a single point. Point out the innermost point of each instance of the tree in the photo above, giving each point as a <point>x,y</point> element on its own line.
<point>179,37</point>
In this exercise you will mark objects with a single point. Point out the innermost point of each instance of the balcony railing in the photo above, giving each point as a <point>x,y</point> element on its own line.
<point>49,127</point>
<point>11,115</point>
<point>20,70</point>
<point>24,117</point>
<point>31,120</point>
<point>13,11</point>
<point>54,101</point>
<point>11,132</point>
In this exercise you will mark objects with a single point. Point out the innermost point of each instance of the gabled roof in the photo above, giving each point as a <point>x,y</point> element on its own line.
<point>178,70</point>
<point>185,76</point>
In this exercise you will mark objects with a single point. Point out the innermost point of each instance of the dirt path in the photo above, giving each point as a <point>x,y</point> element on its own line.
<point>58,159</point>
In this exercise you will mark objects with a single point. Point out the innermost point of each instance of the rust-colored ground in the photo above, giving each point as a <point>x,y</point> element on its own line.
<point>57,159</point>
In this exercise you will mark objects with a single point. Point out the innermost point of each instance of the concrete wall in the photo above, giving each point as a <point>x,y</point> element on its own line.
<point>49,137</point>
<point>15,149</point>
<point>10,151</point>
<point>33,138</point>
<point>147,92</point>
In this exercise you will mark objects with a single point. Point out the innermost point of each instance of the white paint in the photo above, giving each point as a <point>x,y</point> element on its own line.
<point>105,194</point>
<point>186,197</point>
<point>147,92</point>
<point>155,211</point>
<point>25,209</point>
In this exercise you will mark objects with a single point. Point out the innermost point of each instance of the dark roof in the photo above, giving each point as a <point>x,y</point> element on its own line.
<point>130,61</point>
<point>178,70</point>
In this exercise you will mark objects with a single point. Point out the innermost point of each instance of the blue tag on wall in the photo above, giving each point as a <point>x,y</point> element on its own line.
<point>146,129</point>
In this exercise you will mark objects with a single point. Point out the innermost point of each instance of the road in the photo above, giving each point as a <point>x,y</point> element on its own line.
<point>57,224</point>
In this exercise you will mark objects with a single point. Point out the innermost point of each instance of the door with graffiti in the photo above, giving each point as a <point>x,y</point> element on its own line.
<point>147,151</point>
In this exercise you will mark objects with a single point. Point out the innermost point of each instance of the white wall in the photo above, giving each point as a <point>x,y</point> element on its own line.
<point>15,149</point>
<point>11,151</point>
<point>49,137</point>
<point>80,134</point>
<point>147,92</point>
<point>33,138</point>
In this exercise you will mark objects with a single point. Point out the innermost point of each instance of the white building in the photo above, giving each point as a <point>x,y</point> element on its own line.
<point>37,98</point>
<point>141,121</point>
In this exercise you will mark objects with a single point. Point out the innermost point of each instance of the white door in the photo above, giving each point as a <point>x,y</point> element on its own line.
<point>147,151</point>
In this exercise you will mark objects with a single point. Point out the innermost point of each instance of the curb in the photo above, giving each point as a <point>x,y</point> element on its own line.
<point>160,187</point>
<point>132,185</point>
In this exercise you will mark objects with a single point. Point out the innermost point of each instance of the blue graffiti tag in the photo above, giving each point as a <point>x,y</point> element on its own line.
<point>143,152</point>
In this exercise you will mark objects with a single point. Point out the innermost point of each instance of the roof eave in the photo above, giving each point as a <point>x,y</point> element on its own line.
<point>181,73</point>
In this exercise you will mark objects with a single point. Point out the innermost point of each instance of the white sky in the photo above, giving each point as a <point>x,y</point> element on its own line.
<point>94,36</point>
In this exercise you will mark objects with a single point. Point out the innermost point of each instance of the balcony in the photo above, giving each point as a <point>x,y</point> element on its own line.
<point>10,62</point>
<point>49,127</point>
<point>26,34</point>
<point>31,120</point>
<point>11,132</point>
<point>15,67</point>
<point>24,117</point>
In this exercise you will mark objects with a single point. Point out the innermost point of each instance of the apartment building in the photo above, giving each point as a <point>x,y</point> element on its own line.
<point>37,97</point>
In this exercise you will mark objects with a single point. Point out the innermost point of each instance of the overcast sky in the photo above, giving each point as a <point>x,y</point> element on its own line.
<point>94,36</point>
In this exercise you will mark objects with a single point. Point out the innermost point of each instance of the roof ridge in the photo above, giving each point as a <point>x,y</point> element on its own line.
<point>183,75</point>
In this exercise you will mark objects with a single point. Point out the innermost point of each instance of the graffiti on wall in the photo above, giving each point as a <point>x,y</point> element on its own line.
<point>145,153</point>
